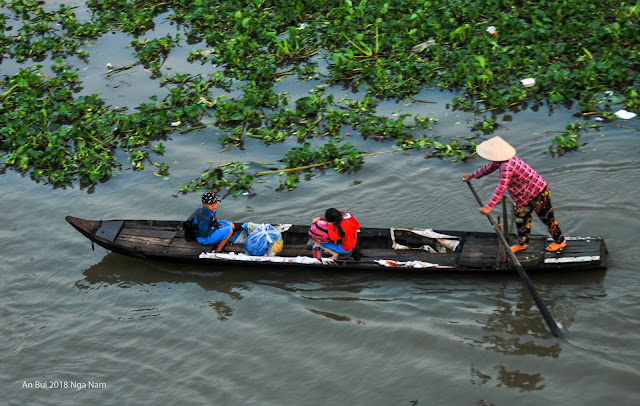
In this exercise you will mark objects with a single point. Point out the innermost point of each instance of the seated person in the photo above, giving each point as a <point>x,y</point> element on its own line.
<point>207,228</point>
<point>343,232</point>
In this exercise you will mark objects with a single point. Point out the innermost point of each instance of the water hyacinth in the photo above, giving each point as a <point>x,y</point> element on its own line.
<point>390,50</point>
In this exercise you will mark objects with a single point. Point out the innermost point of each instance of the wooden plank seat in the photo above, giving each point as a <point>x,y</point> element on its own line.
<point>479,252</point>
<point>109,230</point>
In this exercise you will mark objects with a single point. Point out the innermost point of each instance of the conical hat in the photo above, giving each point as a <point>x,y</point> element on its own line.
<point>496,149</point>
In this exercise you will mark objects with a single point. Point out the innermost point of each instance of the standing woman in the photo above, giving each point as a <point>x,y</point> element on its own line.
<point>527,189</point>
<point>342,230</point>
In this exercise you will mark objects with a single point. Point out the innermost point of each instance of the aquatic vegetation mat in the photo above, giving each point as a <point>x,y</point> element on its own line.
<point>495,54</point>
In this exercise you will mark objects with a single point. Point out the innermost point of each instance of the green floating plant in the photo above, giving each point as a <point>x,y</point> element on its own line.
<point>153,52</point>
<point>568,140</point>
<point>47,132</point>
<point>486,125</point>
<point>60,139</point>
<point>381,49</point>
<point>45,33</point>
<point>230,177</point>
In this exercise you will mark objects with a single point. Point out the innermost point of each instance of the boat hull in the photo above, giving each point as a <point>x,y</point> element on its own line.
<point>378,249</point>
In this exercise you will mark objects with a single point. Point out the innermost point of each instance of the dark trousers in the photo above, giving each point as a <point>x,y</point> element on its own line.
<point>541,204</point>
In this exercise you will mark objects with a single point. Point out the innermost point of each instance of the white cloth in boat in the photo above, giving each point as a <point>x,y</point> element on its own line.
<point>409,264</point>
<point>448,241</point>
<point>232,256</point>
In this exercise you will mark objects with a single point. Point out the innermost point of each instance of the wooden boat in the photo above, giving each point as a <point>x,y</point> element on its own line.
<point>411,249</point>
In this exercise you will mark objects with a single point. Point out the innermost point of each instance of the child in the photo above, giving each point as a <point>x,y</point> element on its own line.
<point>343,232</point>
<point>207,228</point>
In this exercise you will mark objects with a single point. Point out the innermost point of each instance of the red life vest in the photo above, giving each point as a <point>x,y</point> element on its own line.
<point>350,226</point>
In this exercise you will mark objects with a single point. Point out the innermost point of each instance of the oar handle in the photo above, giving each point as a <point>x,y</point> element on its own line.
<point>546,314</point>
<point>475,194</point>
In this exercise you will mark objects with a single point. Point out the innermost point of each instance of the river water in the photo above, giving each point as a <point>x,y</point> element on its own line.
<point>91,327</point>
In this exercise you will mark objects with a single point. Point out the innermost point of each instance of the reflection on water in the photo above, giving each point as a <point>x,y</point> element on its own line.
<point>142,313</point>
<point>222,309</point>
<point>509,321</point>
<point>516,319</point>
<point>336,317</point>
<point>517,379</point>
<point>517,329</point>
<point>512,322</point>
<point>124,272</point>
<point>510,379</point>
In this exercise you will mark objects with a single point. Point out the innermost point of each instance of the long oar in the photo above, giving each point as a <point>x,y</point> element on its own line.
<point>553,326</point>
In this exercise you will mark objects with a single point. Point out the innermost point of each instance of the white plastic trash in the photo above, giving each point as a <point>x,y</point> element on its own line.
<point>624,114</point>
<point>528,82</point>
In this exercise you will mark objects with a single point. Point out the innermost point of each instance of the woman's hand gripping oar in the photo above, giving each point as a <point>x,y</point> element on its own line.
<point>553,326</point>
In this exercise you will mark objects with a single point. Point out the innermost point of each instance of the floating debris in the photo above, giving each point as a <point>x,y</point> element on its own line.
<point>528,82</point>
<point>421,47</point>
<point>624,114</point>
<point>202,99</point>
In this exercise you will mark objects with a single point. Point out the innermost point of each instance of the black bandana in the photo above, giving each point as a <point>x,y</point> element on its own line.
<point>209,198</point>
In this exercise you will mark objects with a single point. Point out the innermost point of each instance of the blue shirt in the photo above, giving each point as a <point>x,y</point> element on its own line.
<point>203,217</point>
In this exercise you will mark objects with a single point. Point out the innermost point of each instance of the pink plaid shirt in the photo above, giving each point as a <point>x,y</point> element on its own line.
<point>523,183</point>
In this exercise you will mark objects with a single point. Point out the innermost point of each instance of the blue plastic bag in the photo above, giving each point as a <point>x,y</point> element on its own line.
<point>264,240</point>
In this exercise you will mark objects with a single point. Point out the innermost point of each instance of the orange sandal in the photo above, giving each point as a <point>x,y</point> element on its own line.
<point>518,247</point>
<point>554,246</point>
